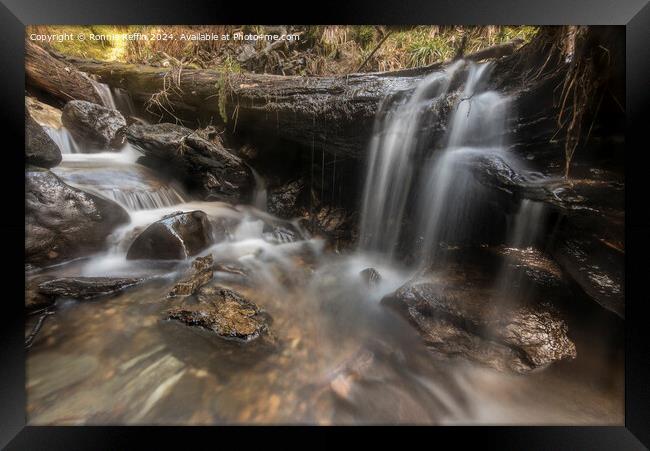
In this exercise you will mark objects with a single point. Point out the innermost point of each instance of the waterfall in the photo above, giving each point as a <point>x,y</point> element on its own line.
<point>115,98</point>
<point>527,224</point>
<point>164,196</point>
<point>105,94</point>
<point>451,201</point>
<point>260,193</point>
<point>391,163</point>
<point>117,176</point>
<point>443,199</point>
<point>63,139</point>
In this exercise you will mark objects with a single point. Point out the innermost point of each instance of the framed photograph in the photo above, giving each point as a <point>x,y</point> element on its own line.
<point>381,216</point>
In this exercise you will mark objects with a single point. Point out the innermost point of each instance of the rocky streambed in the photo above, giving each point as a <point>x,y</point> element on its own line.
<point>168,282</point>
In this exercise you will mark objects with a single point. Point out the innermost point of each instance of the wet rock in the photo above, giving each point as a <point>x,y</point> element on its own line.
<point>62,222</point>
<point>518,338</point>
<point>370,276</point>
<point>595,266</point>
<point>176,236</point>
<point>333,224</point>
<point>280,233</point>
<point>199,274</point>
<point>35,300</point>
<point>537,266</point>
<point>204,166</point>
<point>225,312</point>
<point>283,201</point>
<point>234,268</point>
<point>84,288</point>
<point>40,150</point>
<point>94,126</point>
<point>45,115</point>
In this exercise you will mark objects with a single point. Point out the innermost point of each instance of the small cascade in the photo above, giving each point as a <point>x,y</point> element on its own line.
<point>63,139</point>
<point>527,225</point>
<point>260,192</point>
<point>105,94</point>
<point>164,196</point>
<point>124,102</point>
<point>117,176</point>
<point>115,98</point>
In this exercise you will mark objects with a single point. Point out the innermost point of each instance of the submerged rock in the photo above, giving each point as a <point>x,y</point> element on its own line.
<point>176,236</point>
<point>93,125</point>
<point>199,274</point>
<point>84,288</point>
<point>204,166</point>
<point>224,312</point>
<point>62,222</point>
<point>519,339</point>
<point>40,150</point>
<point>370,276</point>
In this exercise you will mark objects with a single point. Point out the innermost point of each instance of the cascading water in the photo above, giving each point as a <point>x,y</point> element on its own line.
<point>63,139</point>
<point>392,165</point>
<point>341,357</point>
<point>444,199</point>
<point>105,94</point>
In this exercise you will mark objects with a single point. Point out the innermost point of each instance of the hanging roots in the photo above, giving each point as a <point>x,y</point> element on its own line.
<point>160,101</point>
<point>582,85</point>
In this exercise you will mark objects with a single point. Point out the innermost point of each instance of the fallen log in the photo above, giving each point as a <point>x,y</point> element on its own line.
<point>333,114</point>
<point>55,77</point>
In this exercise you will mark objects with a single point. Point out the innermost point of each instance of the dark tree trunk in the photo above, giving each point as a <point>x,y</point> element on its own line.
<point>334,114</point>
<point>55,77</point>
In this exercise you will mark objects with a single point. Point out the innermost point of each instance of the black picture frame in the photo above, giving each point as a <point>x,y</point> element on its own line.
<point>633,14</point>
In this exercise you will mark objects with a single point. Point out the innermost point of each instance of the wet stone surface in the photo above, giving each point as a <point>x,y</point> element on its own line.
<point>84,288</point>
<point>225,312</point>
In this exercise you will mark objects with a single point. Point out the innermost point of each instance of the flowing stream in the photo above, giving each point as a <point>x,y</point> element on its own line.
<point>341,357</point>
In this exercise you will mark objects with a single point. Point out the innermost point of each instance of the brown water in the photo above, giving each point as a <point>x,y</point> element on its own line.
<point>339,358</point>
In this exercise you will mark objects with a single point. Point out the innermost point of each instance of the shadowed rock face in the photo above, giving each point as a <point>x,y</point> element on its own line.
<point>84,288</point>
<point>95,126</point>
<point>283,201</point>
<point>204,166</point>
<point>174,237</point>
<point>224,312</point>
<point>40,150</point>
<point>519,338</point>
<point>62,222</point>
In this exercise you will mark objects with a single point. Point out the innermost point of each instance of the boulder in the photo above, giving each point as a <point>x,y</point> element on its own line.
<point>224,312</point>
<point>595,266</point>
<point>283,201</point>
<point>84,288</point>
<point>94,126</point>
<point>62,222</point>
<point>176,236</point>
<point>333,224</point>
<point>40,150</point>
<point>517,338</point>
<point>199,274</point>
<point>45,115</point>
<point>204,166</point>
